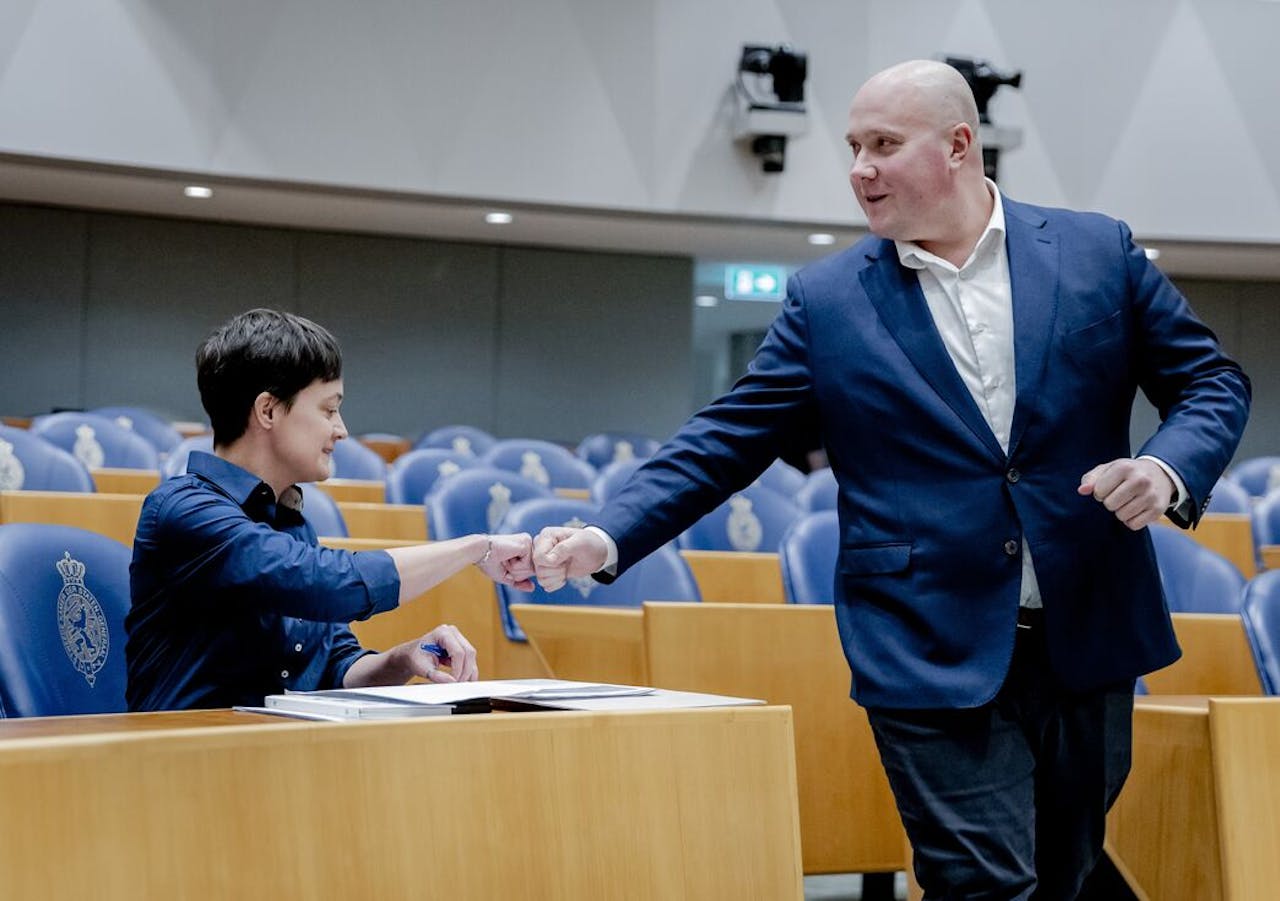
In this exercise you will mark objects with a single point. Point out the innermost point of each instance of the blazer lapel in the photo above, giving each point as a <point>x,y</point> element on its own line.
<point>895,292</point>
<point>1033,277</point>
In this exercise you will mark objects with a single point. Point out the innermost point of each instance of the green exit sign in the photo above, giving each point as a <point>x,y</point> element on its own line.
<point>755,282</point>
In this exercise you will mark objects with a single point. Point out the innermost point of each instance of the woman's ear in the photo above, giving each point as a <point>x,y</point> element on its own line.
<point>265,407</point>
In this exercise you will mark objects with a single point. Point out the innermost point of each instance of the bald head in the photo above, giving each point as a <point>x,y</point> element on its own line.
<point>934,90</point>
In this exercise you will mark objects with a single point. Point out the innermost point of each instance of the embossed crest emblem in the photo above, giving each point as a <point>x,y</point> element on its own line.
<point>499,504</point>
<point>87,449</point>
<point>531,468</point>
<point>12,475</point>
<point>462,445</point>
<point>125,421</point>
<point>623,451</point>
<point>81,622</point>
<point>743,526</point>
<point>447,468</point>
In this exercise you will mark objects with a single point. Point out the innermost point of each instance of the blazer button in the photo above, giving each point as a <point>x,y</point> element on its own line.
<point>1012,476</point>
<point>1011,547</point>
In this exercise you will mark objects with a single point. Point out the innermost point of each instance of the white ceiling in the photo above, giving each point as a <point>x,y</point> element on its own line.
<point>705,238</point>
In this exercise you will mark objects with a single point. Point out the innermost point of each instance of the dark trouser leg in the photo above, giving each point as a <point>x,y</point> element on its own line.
<point>994,796</point>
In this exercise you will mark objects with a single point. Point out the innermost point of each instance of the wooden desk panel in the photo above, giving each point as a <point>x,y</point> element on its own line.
<point>403,522</point>
<point>685,804</point>
<point>113,515</point>
<point>1216,658</point>
<point>736,577</point>
<point>1231,535</point>
<point>360,490</point>
<point>789,654</point>
<point>1270,556</point>
<point>589,644</point>
<point>125,481</point>
<point>1199,817</point>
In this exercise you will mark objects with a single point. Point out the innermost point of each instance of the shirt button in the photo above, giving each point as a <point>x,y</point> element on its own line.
<point>1011,547</point>
<point>284,674</point>
<point>298,646</point>
<point>1012,475</point>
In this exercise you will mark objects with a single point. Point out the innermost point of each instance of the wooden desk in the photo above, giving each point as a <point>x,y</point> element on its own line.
<point>737,577</point>
<point>589,644</point>
<point>387,448</point>
<point>363,490</point>
<point>406,522</point>
<point>1216,658</point>
<point>1231,535</point>
<point>696,804</point>
<point>125,481</point>
<point>1199,818</point>
<point>113,515</point>
<point>1270,556</point>
<point>790,654</point>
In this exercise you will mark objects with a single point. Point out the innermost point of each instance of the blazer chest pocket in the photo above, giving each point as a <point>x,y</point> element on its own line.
<point>875,559</point>
<point>1100,334</point>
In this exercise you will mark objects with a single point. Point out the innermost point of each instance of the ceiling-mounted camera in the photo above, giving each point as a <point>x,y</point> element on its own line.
<point>767,121</point>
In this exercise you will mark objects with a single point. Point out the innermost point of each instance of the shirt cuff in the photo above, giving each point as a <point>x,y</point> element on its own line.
<point>611,555</point>
<point>381,580</point>
<point>1180,503</point>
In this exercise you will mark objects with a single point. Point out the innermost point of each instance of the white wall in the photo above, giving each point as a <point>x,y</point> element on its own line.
<point>1163,112</point>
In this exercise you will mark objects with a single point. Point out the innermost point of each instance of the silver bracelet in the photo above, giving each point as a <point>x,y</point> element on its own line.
<point>488,551</point>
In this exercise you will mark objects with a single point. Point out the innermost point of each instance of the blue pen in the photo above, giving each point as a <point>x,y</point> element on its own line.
<point>438,650</point>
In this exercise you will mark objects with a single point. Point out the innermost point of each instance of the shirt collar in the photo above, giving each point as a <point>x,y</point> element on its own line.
<point>239,484</point>
<point>913,256</point>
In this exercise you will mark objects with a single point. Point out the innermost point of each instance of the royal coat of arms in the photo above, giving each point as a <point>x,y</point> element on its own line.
<point>81,621</point>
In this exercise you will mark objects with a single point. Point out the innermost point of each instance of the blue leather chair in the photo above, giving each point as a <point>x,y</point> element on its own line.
<point>322,512</point>
<point>352,460</point>
<point>783,478</point>
<point>611,478</point>
<point>176,463</point>
<point>461,439</point>
<point>1195,579</point>
<point>808,553</point>
<point>603,448</point>
<point>540,461</point>
<point>64,593</point>
<point>476,500</point>
<point>754,519</point>
<point>820,491</point>
<point>97,441</point>
<point>156,429</point>
<point>661,576</point>
<point>1228,497</point>
<point>1261,613</point>
<point>1266,519</point>
<point>1259,475</point>
<point>31,463</point>
<point>414,475</point>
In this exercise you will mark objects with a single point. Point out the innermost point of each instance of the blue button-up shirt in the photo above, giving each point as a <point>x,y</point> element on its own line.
<point>234,600</point>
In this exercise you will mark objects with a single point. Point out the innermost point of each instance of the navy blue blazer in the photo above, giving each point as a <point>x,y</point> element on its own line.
<point>932,512</point>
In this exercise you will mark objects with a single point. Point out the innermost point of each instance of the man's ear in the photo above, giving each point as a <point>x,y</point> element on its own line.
<point>961,142</point>
<point>265,408</point>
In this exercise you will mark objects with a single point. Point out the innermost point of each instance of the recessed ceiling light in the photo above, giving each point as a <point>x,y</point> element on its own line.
<point>198,191</point>
<point>1153,253</point>
<point>497,217</point>
<point>706,300</point>
<point>822,239</point>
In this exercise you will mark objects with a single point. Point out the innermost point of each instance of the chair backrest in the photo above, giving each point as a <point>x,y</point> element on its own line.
<point>808,554</point>
<point>609,481</point>
<point>319,509</point>
<point>604,448</point>
<point>820,491</point>
<point>1228,497</point>
<point>1259,475</point>
<point>352,460</point>
<point>754,519</point>
<point>462,439</point>
<point>476,500</point>
<point>783,478</point>
<point>97,441</point>
<point>154,428</point>
<point>1261,613</point>
<point>176,463</point>
<point>540,461</point>
<point>1195,579</point>
<point>1266,519</point>
<point>28,462</point>
<point>661,576</point>
<point>64,593</point>
<point>414,475</point>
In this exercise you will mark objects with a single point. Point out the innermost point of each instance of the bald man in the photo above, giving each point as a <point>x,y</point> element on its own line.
<point>970,369</point>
